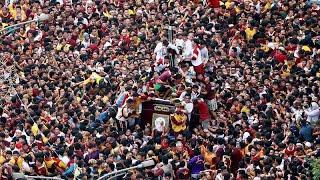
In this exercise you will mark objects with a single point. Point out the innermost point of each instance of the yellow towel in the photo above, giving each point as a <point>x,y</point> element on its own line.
<point>306,48</point>
<point>35,129</point>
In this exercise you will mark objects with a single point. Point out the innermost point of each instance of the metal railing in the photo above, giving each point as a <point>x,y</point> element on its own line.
<point>144,164</point>
<point>17,176</point>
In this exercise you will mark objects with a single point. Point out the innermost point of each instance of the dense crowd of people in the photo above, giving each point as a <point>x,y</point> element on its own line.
<point>243,76</point>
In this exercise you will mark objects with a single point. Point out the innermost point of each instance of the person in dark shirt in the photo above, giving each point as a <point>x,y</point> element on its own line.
<point>236,157</point>
<point>183,172</point>
<point>196,164</point>
<point>306,131</point>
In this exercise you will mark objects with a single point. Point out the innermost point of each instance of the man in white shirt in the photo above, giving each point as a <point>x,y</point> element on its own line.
<point>188,48</point>
<point>196,60</point>
<point>179,41</point>
<point>204,52</point>
<point>86,40</point>
<point>162,49</point>
<point>188,105</point>
<point>12,147</point>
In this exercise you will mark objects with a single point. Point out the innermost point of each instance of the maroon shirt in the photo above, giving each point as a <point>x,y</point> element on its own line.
<point>182,173</point>
<point>236,157</point>
<point>210,94</point>
<point>165,76</point>
<point>203,111</point>
<point>279,56</point>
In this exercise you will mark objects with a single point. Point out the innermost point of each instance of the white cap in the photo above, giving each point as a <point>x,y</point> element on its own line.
<point>308,144</point>
<point>18,131</point>
<point>245,135</point>
<point>89,2</point>
<point>271,45</point>
<point>179,144</point>
<point>106,45</point>
<point>76,53</point>
<point>227,86</point>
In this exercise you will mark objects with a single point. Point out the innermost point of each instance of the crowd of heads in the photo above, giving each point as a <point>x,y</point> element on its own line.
<point>243,78</point>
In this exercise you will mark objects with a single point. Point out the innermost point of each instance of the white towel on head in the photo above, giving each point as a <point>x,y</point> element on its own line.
<point>245,135</point>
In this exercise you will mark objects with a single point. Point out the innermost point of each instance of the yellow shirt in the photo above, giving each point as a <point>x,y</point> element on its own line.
<point>44,139</point>
<point>181,122</point>
<point>245,109</point>
<point>12,161</point>
<point>14,14</point>
<point>246,149</point>
<point>285,74</point>
<point>107,14</point>
<point>35,129</point>
<point>267,6</point>
<point>66,47</point>
<point>20,161</point>
<point>105,99</point>
<point>59,47</point>
<point>227,4</point>
<point>208,156</point>
<point>265,48</point>
<point>11,8</point>
<point>238,10</point>
<point>94,77</point>
<point>306,48</point>
<point>4,25</point>
<point>49,163</point>
<point>23,15</point>
<point>131,12</point>
<point>250,33</point>
<point>2,159</point>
